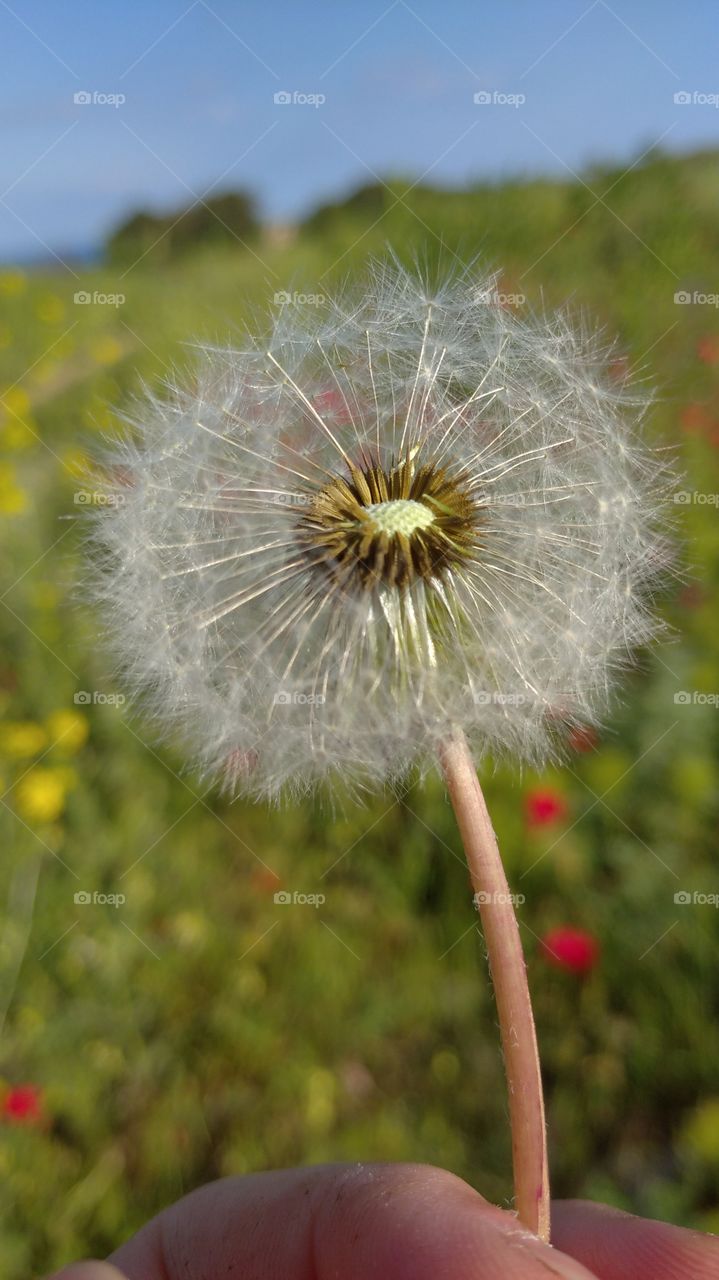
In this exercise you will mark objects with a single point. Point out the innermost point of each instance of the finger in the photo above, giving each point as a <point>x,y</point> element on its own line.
<point>618,1246</point>
<point>361,1222</point>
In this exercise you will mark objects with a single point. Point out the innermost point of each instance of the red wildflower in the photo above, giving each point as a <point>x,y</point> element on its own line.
<point>543,806</point>
<point>693,596</point>
<point>332,404</point>
<point>695,417</point>
<point>239,764</point>
<point>22,1104</point>
<point>264,880</point>
<point>708,348</point>
<point>572,949</point>
<point>583,738</point>
<point>619,369</point>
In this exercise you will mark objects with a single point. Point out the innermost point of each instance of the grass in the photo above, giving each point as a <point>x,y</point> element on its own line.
<point>200,1028</point>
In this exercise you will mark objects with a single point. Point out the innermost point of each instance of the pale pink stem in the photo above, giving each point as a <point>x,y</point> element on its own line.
<point>509,976</point>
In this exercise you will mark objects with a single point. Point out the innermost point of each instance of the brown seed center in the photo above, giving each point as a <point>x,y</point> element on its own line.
<point>391,525</point>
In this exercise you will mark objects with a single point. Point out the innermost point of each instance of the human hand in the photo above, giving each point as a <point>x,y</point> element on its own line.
<point>390,1222</point>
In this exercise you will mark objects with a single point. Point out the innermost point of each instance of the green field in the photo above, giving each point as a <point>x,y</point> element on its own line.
<point>200,1028</point>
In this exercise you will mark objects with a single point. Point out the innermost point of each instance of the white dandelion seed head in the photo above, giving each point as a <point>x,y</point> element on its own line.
<point>408,512</point>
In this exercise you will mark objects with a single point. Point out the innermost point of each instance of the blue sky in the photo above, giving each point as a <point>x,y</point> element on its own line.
<point>398,79</point>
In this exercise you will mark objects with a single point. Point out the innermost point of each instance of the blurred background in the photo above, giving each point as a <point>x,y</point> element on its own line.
<point>165,170</point>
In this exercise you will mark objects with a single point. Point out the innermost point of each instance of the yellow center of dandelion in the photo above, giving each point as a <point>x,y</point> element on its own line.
<point>402,515</point>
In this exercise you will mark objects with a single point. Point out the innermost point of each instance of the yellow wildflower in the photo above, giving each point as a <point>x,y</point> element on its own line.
<point>13,499</point>
<point>40,795</point>
<point>50,309</point>
<point>44,595</point>
<point>68,730</point>
<point>15,401</point>
<point>18,433</point>
<point>106,350</point>
<point>22,738</point>
<point>701,1131</point>
<point>12,282</point>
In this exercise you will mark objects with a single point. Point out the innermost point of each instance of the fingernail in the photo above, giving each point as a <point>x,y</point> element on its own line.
<point>552,1262</point>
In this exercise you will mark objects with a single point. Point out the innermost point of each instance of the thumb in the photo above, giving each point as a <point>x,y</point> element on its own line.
<point>361,1222</point>
<point>88,1271</point>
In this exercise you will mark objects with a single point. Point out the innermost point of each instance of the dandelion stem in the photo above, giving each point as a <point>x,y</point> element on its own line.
<point>509,976</point>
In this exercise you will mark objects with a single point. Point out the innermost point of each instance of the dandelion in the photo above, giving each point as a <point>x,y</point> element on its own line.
<point>413,527</point>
